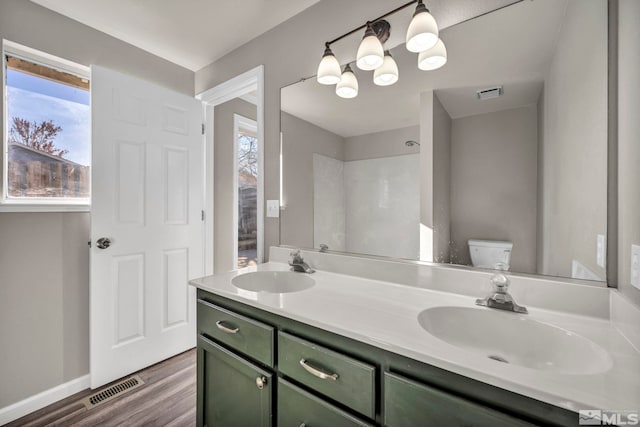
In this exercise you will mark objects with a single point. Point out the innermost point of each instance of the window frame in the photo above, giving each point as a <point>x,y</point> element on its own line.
<point>35,204</point>
<point>241,122</point>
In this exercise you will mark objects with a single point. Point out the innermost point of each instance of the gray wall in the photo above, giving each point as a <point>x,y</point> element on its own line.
<point>442,129</point>
<point>223,170</point>
<point>44,264</point>
<point>381,144</point>
<point>435,181</point>
<point>300,140</point>
<point>44,302</point>
<point>628,141</point>
<point>426,175</point>
<point>494,183</point>
<point>573,163</point>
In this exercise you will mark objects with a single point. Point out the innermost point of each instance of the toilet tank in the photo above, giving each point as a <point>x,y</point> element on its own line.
<point>494,254</point>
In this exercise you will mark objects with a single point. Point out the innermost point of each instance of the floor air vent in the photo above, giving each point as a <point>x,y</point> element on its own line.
<point>112,392</point>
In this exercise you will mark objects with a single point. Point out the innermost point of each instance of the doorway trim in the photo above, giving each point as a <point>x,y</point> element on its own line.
<point>236,87</point>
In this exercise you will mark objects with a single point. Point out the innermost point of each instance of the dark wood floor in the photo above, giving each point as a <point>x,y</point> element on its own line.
<point>168,398</point>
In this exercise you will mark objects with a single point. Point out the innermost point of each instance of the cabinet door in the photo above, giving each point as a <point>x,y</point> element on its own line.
<point>408,403</point>
<point>297,407</point>
<point>231,391</point>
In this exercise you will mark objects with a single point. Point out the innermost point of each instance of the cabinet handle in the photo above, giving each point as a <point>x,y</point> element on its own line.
<point>223,328</point>
<point>261,382</point>
<point>316,372</point>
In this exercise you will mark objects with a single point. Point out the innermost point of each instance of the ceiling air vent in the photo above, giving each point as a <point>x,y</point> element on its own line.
<point>490,93</point>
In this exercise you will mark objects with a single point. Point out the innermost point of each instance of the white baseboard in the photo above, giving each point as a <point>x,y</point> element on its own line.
<point>40,400</point>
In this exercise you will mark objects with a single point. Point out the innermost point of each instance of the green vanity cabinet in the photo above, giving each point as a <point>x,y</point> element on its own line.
<point>231,391</point>
<point>409,403</point>
<point>296,408</point>
<point>312,377</point>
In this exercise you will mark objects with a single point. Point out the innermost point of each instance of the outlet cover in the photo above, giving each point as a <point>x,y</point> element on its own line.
<point>635,266</point>
<point>273,208</point>
<point>601,251</point>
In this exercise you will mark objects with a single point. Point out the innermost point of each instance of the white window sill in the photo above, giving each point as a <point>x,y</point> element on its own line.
<point>38,206</point>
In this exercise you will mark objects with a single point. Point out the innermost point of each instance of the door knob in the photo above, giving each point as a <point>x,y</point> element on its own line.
<point>261,382</point>
<point>103,243</point>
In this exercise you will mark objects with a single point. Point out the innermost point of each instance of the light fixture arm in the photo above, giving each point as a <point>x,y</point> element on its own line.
<point>361,27</point>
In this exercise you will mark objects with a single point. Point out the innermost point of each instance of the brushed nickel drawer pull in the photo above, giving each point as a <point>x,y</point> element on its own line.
<point>316,372</point>
<point>226,329</point>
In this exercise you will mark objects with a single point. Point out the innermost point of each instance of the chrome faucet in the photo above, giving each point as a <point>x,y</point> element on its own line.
<point>297,263</point>
<point>499,298</point>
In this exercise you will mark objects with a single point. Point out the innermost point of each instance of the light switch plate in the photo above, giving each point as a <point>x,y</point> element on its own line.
<point>273,208</point>
<point>635,266</point>
<point>601,251</point>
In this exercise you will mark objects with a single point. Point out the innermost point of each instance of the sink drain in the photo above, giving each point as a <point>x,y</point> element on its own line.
<point>498,358</point>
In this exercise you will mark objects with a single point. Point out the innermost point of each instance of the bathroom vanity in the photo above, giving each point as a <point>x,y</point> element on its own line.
<point>346,350</point>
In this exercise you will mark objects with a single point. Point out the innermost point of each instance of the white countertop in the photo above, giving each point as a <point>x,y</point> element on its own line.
<point>384,315</point>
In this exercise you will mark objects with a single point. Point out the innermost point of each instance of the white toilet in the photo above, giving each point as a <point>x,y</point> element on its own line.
<point>493,254</point>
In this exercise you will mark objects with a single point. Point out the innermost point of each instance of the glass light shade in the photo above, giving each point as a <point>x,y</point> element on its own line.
<point>434,58</point>
<point>387,74</point>
<point>348,85</point>
<point>422,34</point>
<point>370,52</point>
<point>329,69</point>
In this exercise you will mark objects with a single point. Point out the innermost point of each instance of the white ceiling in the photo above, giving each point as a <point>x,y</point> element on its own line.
<point>511,47</point>
<point>190,33</point>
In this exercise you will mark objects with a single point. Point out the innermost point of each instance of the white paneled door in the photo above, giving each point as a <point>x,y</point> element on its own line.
<point>146,223</point>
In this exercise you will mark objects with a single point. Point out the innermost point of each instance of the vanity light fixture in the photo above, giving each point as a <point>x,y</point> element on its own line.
<point>433,58</point>
<point>370,52</point>
<point>387,74</point>
<point>422,37</point>
<point>348,85</point>
<point>422,34</point>
<point>329,72</point>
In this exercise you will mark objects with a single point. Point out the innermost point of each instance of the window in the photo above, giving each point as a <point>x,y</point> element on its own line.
<point>247,190</point>
<point>47,143</point>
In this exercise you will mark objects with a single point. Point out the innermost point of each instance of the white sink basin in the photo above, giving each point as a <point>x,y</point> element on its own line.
<point>515,339</point>
<point>273,282</point>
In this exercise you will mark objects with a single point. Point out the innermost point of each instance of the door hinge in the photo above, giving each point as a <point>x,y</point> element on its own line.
<point>203,128</point>
<point>203,215</point>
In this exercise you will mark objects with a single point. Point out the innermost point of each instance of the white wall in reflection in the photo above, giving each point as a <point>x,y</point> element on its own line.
<point>375,201</point>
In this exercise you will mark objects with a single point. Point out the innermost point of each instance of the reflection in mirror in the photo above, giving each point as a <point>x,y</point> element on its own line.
<point>497,160</point>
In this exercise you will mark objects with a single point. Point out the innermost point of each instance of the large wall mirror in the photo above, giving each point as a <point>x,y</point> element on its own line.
<point>426,170</point>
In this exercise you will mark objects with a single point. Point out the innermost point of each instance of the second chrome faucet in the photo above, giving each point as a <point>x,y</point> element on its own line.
<point>298,264</point>
<point>499,297</point>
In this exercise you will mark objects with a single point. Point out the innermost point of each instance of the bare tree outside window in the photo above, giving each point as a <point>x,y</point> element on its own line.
<point>248,157</point>
<point>48,139</point>
<point>40,136</point>
<point>247,199</point>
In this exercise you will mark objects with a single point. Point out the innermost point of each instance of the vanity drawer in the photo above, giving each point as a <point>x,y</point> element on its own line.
<point>296,407</point>
<point>342,378</point>
<point>410,403</point>
<point>252,338</point>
